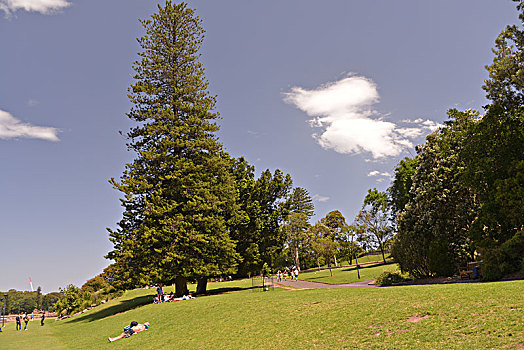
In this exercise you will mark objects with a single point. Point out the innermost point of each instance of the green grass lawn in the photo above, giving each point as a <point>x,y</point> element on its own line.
<point>347,274</point>
<point>366,259</point>
<point>455,316</point>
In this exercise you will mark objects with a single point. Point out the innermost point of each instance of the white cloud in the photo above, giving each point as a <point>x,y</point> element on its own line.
<point>349,125</point>
<point>10,127</point>
<point>320,198</point>
<point>42,6</point>
<point>378,173</point>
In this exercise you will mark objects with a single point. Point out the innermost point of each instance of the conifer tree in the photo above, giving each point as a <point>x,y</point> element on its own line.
<point>178,192</point>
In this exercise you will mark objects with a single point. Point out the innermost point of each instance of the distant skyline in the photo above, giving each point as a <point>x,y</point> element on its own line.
<point>333,93</point>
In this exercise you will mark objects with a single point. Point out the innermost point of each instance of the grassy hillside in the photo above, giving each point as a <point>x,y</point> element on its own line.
<point>347,274</point>
<point>458,316</point>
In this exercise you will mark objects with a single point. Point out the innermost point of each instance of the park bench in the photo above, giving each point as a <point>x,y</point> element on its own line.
<point>468,271</point>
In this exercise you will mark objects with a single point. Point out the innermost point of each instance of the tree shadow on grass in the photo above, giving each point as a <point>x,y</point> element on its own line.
<point>363,267</point>
<point>225,290</point>
<point>129,304</point>
<point>121,306</point>
<point>348,269</point>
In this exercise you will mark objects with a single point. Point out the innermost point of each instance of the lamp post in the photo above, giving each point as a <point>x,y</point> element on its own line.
<point>356,260</point>
<point>3,313</point>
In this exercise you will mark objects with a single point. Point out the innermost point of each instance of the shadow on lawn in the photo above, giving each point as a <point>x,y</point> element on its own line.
<point>363,267</point>
<point>225,290</point>
<point>122,306</point>
<point>129,304</point>
<point>347,269</point>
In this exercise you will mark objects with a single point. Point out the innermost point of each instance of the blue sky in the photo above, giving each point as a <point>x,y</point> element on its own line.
<point>332,92</point>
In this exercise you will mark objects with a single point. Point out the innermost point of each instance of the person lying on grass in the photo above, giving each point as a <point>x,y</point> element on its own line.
<point>133,328</point>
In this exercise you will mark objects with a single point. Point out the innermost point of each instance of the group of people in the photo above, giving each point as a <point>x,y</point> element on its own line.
<point>162,297</point>
<point>19,318</point>
<point>293,273</point>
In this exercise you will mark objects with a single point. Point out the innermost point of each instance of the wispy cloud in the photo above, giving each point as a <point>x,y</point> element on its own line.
<point>32,103</point>
<point>42,6</point>
<point>319,198</point>
<point>343,111</point>
<point>378,173</point>
<point>10,128</point>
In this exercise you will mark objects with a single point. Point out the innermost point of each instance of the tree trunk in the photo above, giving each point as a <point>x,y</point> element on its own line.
<point>318,263</point>
<point>201,286</point>
<point>382,250</point>
<point>180,287</point>
<point>297,263</point>
<point>331,271</point>
<point>335,258</point>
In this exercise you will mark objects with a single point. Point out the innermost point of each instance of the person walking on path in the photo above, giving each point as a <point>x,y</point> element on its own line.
<point>18,323</point>
<point>42,319</point>
<point>26,320</point>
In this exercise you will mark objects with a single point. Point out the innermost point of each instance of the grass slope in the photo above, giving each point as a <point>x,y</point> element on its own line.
<point>347,274</point>
<point>458,316</point>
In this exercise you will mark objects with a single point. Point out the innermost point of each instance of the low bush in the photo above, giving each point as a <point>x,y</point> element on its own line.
<point>504,260</point>
<point>388,278</point>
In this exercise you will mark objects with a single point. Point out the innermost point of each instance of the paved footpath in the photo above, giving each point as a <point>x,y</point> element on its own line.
<point>310,285</point>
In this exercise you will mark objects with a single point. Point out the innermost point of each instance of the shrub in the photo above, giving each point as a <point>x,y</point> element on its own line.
<point>504,260</point>
<point>387,278</point>
<point>440,260</point>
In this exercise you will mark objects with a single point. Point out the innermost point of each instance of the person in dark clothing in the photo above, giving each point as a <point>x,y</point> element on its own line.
<point>18,323</point>
<point>160,293</point>
<point>42,319</point>
<point>26,320</point>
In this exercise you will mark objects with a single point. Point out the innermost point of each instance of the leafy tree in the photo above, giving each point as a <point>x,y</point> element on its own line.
<point>70,300</point>
<point>39,297</point>
<point>295,229</point>
<point>506,74</point>
<point>348,242</point>
<point>399,191</point>
<point>95,284</point>
<point>178,191</point>
<point>435,222</point>
<point>263,206</point>
<point>374,219</point>
<point>494,161</point>
<point>297,223</point>
<point>335,222</point>
<point>323,244</point>
<point>466,192</point>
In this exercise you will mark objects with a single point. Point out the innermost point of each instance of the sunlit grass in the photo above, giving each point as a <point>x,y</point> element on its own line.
<point>347,274</point>
<point>457,316</point>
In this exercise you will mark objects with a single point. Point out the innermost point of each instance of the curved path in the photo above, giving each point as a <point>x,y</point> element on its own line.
<point>310,285</point>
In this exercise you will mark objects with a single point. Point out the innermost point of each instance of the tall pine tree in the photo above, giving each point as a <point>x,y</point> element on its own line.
<point>178,192</point>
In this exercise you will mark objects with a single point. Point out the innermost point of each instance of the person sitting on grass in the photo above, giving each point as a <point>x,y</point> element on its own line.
<point>133,328</point>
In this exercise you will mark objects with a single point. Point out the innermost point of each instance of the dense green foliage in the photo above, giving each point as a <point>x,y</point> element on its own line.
<point>263,205</point>
<point>466,184</point>
<point>433,226</point>
<point>387,278</point>
<point>26,302</point>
